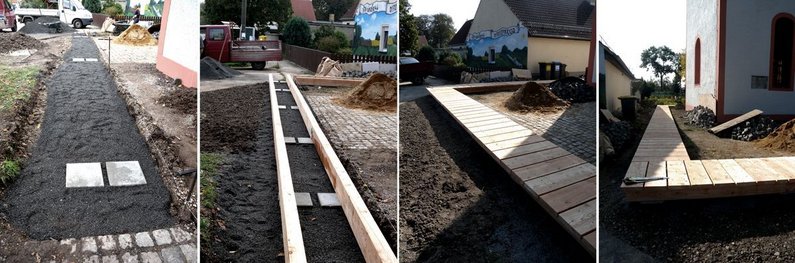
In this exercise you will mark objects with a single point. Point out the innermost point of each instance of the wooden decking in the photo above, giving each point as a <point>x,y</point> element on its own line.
<point>562,183</point>
<point>661,153</point>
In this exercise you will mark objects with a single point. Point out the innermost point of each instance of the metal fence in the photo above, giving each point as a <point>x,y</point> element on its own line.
<point>309,58</point>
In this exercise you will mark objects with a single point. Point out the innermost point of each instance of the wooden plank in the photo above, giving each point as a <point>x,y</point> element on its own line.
<point>737,173</point>
<point>784,166</point>
<point>292,239</point>
<point>491,127</point>
<point>475,121</point>
<point>505,136</point>
<point>307,80</point>
<point>759,170</point>
<point>548,167</point>
<point>557,180</point>
<point>484,87</point>
<point>735,121</point>
<point>534,158</point>
<point>513,143</point>
<point>581,218</point>
<point>571,196</point>
<point>590,239</point>
<point>716,172</point>
<point>524,149</point>
<point>677,174</point>
<point>371,240</point>
<point>501,131</point>
<point>657,169</point>
<point>636,169</point>
<point>696,173</point>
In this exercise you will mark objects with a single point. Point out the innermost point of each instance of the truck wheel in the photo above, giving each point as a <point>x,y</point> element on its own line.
<point>77,23</point>
<point>258,65</point>
<point>419,80</point>
<point>14,29</point>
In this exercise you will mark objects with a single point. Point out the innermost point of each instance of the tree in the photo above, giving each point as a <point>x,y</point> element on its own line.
<point>426,54</point>
<point>660,60</point>
<point>442,30</point>
<point>93,6</point>
<point>424,24</point>
<point>408,29</point>
<point>297,32</point>
<point>323,8</point>
<point>259,12</point>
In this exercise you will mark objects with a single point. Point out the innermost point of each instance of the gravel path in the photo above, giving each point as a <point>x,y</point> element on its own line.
<point>85,121</point>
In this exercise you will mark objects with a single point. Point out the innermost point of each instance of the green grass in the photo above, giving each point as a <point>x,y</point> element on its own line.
<point>9,170</point>
<point>209,170</point>
<point>667,100</point>
<point>16,84</point>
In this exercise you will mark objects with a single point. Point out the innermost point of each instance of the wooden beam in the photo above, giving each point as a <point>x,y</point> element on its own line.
<point>735,121</point>
<point>291,225</point>
<point>371,241</point>
<point>307,80</point>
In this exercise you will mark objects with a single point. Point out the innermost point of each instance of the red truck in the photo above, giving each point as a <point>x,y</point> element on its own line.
<point>7,17</point>
<point>218,44</point>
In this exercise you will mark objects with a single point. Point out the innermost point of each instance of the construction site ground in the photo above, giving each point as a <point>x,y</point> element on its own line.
<point>728,229</point>
<point>455,208</point>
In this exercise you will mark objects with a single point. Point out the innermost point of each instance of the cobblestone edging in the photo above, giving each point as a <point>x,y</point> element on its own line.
<point>162,245</point>
<point>353,128</point>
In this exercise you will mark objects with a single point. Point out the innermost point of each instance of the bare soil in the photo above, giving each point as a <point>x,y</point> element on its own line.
<point>18,41</point>
<point>743,229</point>
<point>135,35</point>
<point>378,92</point>
<point>535,97</point>
<point>457,205</point>
<point>782,138</point>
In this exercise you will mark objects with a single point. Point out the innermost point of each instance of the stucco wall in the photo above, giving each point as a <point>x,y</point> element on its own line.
<point>617,84</point>
<point>702,22</point>
<point>573,53</point>
<point>178,48</point>
<point>748,34</point>
<point>492,14</point>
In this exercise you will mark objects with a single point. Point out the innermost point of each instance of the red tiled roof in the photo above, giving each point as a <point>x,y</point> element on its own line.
<point>351,13</point>
<point>460,37</point>
<point>555,18</point>
<point>303,9</point>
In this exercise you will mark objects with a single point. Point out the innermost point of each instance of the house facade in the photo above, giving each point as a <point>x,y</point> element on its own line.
<point>522,33</point>
<point>177,51</point>
<point>616,79</point>
<point>741,57</point>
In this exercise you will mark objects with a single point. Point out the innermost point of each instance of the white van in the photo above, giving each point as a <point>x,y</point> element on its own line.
<point>68,11</point>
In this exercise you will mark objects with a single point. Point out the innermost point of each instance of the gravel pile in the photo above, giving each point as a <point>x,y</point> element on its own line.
<point>38,26</point>
<point>573,89</point>
<point>618,132</point>
<point>700,116</point>
<point>212,69</point>
<point>367,74</point>
<point>753,129</point>
<point>501,79</point>
<point>16,41</point>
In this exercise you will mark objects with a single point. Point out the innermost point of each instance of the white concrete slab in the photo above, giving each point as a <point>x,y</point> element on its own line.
<point>282,107</point>
<point>328,199</point>
<point>289,140</point>
<point>78,59</point>
<point>293,107</point>
<point>303,199</point>
<point>125,173</point>
<point>304,140</point>
<point>91,60</point>
<point>84,175</point>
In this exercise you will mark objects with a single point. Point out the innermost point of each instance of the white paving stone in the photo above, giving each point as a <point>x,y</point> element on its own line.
<point>70,242</point>
<point>84,175</point>
<point>150,257</point>
<point>303,199</point>
<point>110,259</point>
<point>125,173</point>
<point>125,241</point>
<point>129,258</point>
<point>190,252</point>
<point>92,259</point>
<point>89,245</point>
<point>180,235</point>
<point>107,242</point>
<point>162,237</point>
<point>172,255</point>
<point>143,240</point>
<point>328,199</point>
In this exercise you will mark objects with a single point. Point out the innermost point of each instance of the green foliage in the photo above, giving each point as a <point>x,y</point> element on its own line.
<point>209,169</point>
<point>9,170</point>
<point>93,6</point>
<point>345,51</point>
<point>660,60</point>
<point>204,224</point>
<point>408,29</point>
<point>260,12</point>
<point>32,4</point>
<point>424,24</point>
<point>113,10</point>
<point>450,58</point>
<point>646,88</point>
<point>666,100</point>
<point>297,32</point>
<point>426,54</point>
<point>442,30</point>
<point>328,44</point>
<point>16,84</point>
<point>329,39</point>
<point>337,7</point>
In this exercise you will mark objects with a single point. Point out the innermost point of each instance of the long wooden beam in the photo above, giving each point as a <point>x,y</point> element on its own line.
<point>327,81</point>
<point>371,241</point>
<point>291,225</point>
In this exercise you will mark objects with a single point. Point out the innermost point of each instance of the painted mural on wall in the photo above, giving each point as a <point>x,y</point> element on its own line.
<point>148,7</point>
<point>503,47</point>
<point>376,28</point>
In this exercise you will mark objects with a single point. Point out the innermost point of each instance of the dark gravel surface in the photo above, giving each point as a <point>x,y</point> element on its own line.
<point>248,186</point>
<point>457,205</point>
<point>85,121</point>
<point>743,229</point>
<point>38,27</point>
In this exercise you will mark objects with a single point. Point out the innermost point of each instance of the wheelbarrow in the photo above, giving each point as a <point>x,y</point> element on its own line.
<point>54,26</point>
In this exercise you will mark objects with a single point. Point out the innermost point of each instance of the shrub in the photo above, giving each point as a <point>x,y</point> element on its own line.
<point>113,10</point>
<point>452,59</point>
<point>9,169</point>
<point>345,51</point>
<point>297,32</point>
<point>426,54</point>
<point>328,44</point>
<point>93,6</point>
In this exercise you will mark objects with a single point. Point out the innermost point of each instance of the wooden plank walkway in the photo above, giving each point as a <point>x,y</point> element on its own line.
<point>661,153</point>
<point>562,183</point>
<point>735,121</point>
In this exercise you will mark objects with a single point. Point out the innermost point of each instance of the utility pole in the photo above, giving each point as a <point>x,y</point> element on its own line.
<point>243,20</point>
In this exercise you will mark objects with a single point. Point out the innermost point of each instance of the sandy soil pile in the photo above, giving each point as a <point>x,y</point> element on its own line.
<point>783,138</point>
<point>378,92</point>
<point>135,35</point>
<point>38,27</point>
<point>15,41</point>
<point>534,97</point>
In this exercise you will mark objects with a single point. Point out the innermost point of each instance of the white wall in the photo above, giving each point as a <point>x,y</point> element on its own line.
<point>748,54</point>
<point>182,34</point>
<point>702,22</point>
<point>493,14</point>
<point>617,84</point>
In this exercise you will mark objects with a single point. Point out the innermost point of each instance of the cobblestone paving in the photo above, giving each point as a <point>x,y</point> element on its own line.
<point>573,129</point>
<point>163,245</point>
<point>125,53</point>
<point>352,128</point>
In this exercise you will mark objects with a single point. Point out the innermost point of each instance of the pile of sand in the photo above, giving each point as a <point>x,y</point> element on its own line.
<point>378,92</point>
<point>38,27</point>
<point>534,97</point>
<point>135,35</point>
<point>16,41</point>
<point>783,138</point>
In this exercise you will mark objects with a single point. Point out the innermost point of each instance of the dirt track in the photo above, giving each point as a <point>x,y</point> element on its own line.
<point>459,206</point>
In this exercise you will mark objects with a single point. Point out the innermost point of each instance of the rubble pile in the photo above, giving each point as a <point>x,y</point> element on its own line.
<point>753,129</point>
<point>366,74</point>
<point>617,132</point>
<point>39,26</point>
<point>700,116</point>
<point>573,89</point>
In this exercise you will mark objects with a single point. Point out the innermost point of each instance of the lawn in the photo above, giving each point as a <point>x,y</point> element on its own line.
<point>16,84</point>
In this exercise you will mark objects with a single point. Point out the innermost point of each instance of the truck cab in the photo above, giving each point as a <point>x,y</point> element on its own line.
<point>7,17</point>
<point>219,44</point>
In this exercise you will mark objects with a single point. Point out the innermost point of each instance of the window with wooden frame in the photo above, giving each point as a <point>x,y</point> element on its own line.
<point>697,73</point>
<point>782,52</point>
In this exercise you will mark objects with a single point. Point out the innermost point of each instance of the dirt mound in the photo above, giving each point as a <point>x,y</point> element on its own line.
<point>783,138</point>
<point>378,92</point>
<point>212,69</point>
<point>16,41</point>
<point>38,26</point>
<point>181,99</point>
<point>534,97</point>
<point>135,35</point>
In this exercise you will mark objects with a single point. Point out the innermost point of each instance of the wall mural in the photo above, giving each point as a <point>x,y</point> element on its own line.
<point>504,47</point>
<point>376,28</point>
<point>148,7</point>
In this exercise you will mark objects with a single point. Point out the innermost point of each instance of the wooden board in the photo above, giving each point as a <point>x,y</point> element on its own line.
<point>307,80</point>
<point>735,121</point>
<point>371,240</point>
<point>292,238</point>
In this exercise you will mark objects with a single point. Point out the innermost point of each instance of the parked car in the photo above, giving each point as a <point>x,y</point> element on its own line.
<point>219,45</point>
<point>415,71</point>
<point>69,12</point>
<point>7,18</point>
